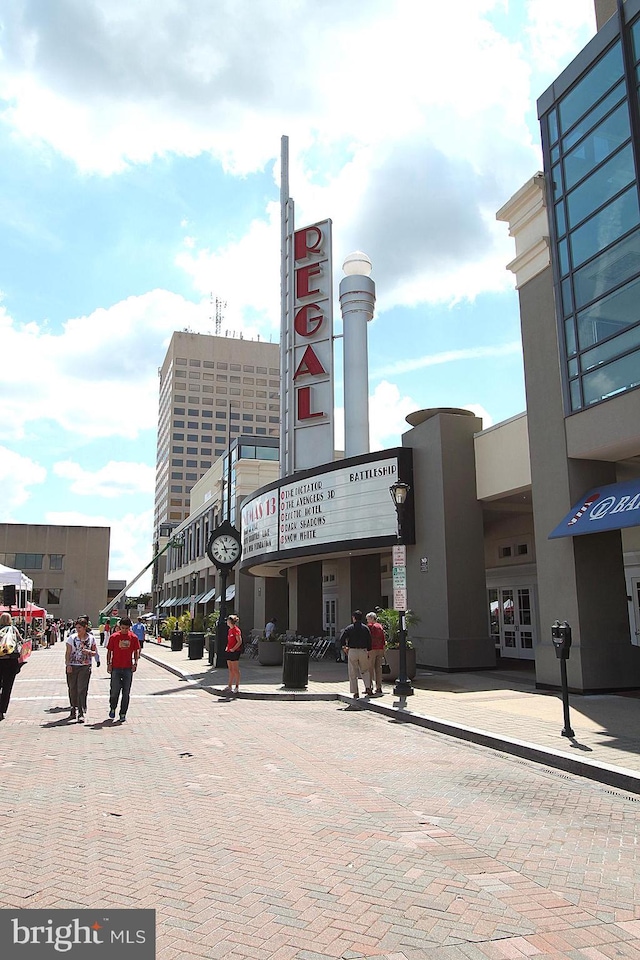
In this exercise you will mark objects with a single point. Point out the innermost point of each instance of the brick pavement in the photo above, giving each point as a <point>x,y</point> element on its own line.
<point>499,708</point>
<point>307,831</point>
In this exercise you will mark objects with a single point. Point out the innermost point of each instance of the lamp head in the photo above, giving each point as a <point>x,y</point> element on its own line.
<point>399,492</point>
<point>357,264</point>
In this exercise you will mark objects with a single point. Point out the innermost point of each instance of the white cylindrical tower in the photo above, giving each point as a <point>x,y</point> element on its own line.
<point>357,301</point>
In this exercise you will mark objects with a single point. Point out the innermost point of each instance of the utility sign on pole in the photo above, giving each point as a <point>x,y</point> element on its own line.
<point>399,556</point>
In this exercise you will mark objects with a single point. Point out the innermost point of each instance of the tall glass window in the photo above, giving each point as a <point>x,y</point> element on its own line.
<point>592,176</point>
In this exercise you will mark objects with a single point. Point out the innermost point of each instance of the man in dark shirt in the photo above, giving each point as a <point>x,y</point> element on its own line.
<point>356,641</point>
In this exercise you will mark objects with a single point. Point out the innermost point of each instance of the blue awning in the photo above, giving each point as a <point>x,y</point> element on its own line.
<point>611,507</point>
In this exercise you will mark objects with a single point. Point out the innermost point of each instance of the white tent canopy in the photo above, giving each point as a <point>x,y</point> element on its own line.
<point>19,580</point>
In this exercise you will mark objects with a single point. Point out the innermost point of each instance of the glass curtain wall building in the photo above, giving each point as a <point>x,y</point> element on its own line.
<point>590,120</point>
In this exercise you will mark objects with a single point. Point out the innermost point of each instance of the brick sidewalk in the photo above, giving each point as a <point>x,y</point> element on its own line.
<point>306,831</point>
<point>501,709</point>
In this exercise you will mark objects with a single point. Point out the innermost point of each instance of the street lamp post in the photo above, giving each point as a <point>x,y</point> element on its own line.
<point>403,688</point>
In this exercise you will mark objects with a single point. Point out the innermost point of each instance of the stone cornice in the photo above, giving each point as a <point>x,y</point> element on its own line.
<point>526,214</point>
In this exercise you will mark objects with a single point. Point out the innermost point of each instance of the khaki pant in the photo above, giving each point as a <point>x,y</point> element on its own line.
<point>358,662</point>
<point>375,667</point>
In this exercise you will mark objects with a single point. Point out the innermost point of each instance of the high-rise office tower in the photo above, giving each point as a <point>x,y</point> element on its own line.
<point>212,389</point>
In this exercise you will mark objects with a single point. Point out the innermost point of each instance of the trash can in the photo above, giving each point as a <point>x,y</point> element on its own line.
<point>177,639</point>
<point>196,646</point>
<point>295,665</point>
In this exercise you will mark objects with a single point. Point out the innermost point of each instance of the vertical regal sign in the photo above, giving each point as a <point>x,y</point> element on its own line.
<point>306,347</point>
<point>312,339</point>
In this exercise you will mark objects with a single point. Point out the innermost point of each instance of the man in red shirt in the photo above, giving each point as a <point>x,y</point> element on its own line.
<point>376,654</point>
<point>123,652</point>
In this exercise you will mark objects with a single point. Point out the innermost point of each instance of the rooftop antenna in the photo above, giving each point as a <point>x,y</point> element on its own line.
<point>220,308</point>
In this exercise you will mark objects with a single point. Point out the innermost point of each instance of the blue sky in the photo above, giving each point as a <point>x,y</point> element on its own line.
<point>140,176</point>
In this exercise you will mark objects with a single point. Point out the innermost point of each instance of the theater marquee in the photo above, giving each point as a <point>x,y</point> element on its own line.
<point>344,504</point>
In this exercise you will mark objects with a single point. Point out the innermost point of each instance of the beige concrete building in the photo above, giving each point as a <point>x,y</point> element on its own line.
<point>212,390</point>
<point>190,581</point>
<point>68,565</point>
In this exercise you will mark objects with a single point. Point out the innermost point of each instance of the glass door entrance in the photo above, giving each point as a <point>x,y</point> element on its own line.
<point>512,621</point>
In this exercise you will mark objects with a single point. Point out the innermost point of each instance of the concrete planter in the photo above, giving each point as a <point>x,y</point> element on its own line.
<point>393,659</point>
<point>269,653</point>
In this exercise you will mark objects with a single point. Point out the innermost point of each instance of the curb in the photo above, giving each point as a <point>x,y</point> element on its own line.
<point>243,695</point>
<point>619,777</point>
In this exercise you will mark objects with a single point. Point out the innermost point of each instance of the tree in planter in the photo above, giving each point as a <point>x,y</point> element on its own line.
<point>184,622</point>
<point>211,621</point>
<point>198,623</point>
<point>391,624</point>
<point>168,627</point>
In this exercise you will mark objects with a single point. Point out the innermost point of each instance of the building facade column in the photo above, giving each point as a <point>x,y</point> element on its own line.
<point>446,586</point>
<point>580,579</point>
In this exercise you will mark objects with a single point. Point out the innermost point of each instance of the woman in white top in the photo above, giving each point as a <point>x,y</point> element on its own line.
<point>80,649</point>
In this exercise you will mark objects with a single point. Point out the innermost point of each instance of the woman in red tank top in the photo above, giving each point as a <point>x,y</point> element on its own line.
<point>232,653</point>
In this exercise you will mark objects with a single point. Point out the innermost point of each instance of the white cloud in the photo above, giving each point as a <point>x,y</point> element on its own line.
<point>556,31</point>
<point>99,376</point>
<point>114,479</point>
<point>130,547</point>
<point>17,474</point>
<point>479,411</point>
<point>448,356</point>
<point>387,412</point>
<point>246,274</point>
<point>393,127</point>
<point>387,415</point>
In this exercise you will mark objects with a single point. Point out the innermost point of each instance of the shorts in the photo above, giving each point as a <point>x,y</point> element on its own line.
<point>232,655</point>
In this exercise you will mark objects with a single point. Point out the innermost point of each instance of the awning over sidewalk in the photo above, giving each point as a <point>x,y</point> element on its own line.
<point>611,507</point>
<point>230,593</point>
<point>209,595</point>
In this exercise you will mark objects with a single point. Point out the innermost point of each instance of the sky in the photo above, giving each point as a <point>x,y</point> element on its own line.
<point>139,181</point>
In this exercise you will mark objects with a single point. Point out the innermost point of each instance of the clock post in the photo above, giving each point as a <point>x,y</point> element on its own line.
<point>224,550</point>
<point>221,627</point>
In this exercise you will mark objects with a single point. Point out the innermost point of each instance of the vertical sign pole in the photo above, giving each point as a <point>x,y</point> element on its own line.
<point>286,302</point>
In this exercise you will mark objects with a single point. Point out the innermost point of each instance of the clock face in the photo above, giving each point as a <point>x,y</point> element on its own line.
<point>225,549</point>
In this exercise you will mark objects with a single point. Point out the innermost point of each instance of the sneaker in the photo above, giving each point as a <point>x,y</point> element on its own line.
<point>368,692</point>
<point>379,693</point>
<point>356,696</point>
<point>73,714</point>
<point>112,714</point>
<point>227,690</point>
<point>81,717</point>
<point>122,718</point>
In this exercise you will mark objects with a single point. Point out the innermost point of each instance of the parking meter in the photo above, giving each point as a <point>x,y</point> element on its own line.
<point>561,637</point>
